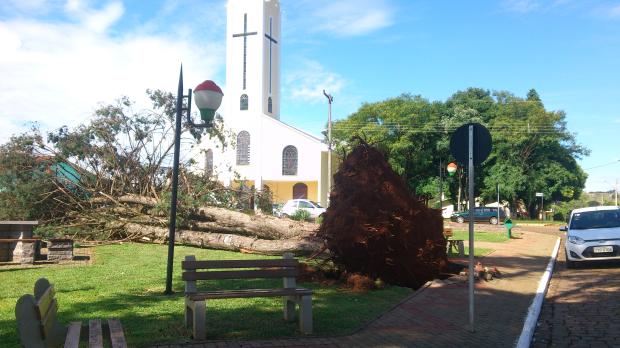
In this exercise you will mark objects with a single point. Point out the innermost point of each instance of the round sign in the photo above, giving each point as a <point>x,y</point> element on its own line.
<point>459,143</point>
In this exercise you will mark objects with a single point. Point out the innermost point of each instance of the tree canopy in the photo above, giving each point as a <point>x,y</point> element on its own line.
<point>533,151</point>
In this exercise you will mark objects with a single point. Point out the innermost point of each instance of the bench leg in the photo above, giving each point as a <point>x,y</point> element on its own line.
<point>196,317</point>
<point>189,314</point>
<point>305,315</point>
<point>289,308</point>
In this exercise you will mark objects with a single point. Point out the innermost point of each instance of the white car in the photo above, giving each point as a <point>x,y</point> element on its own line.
<point>292,205</point>
<point>592,234</point>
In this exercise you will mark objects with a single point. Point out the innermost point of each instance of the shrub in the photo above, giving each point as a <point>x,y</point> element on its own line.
<point>301,215</point>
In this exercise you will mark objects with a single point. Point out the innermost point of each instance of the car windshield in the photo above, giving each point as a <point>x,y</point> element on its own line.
<point>316,204</point>
<point>595,219</point>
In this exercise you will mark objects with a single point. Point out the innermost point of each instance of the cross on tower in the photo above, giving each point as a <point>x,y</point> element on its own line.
<point>271,41</point>
<point>245,35</point>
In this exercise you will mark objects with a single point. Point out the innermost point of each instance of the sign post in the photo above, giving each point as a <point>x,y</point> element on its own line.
<point>542,204</point>
<point>470,144</point>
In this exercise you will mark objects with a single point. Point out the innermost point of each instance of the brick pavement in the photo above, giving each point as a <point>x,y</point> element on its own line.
<point>582,307</point>
<point>437,316</point>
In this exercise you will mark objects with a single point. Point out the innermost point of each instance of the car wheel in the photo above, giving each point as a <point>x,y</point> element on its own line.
<point>493,220</point>
<point>286,216</point>
<point>460,219</point>
<point>569,264</point>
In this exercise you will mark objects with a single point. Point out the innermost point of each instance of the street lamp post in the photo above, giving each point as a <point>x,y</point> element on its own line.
<point>208,97</point>
<point>330,99</point>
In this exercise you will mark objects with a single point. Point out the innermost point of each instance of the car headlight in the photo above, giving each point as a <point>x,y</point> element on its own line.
<point>576,240</point>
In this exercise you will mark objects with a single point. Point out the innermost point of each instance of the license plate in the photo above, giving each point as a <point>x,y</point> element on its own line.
<point>603,249</point>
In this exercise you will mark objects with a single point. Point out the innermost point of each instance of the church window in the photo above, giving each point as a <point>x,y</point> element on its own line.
<point>244,102</point>
<point>269,105</point>
<point>243,148</point>
<point>300,191</point>
<point>289,160</point>
<point>209,162</point>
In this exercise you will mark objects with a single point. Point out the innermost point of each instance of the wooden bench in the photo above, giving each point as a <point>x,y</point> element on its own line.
<point>286,268</point>
<point>457,244</point>
<point>39,328</point>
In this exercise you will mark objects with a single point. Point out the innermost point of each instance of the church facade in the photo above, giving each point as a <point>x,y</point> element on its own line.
<point>267,152</point>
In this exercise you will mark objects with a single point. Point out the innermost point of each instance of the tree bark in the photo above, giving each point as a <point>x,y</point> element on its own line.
<point>231,242</point>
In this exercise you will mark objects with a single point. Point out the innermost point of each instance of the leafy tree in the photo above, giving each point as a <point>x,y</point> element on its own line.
<point>533,151</point>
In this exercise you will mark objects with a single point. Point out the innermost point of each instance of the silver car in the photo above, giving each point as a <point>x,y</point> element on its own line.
<point>592,234</point>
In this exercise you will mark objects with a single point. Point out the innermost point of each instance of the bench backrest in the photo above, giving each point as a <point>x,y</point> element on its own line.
<point>36,317</point>
<point>286,268</point>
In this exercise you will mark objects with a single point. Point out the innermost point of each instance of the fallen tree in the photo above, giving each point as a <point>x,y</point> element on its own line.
<point>305,245</point>
<point>376,227</point>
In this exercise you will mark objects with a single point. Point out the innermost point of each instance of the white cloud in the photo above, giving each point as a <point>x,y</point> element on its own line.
<point>343,18</point>
<point>614,12</point>
<point>521,6</point>
<point>57,72</point>
<point>309,80</point>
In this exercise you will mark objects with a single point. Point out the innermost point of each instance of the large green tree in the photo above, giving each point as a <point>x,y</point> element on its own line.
<point>533,151</point>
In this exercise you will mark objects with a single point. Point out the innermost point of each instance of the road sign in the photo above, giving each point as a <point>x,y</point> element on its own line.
<point>459,142</point>
<point>539,194</point>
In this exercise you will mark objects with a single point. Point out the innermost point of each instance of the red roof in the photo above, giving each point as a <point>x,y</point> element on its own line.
<point>209,86</point>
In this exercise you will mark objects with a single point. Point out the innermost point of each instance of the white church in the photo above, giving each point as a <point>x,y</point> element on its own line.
<point>268,153</point>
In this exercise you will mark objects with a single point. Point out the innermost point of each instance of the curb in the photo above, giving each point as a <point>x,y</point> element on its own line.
<point>525,339</point>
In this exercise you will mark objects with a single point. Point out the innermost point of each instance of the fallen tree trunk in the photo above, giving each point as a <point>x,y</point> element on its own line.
<point>230,221</point>
<point>306,245</point>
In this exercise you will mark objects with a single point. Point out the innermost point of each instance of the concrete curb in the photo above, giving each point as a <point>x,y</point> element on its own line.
<point>525,339</point>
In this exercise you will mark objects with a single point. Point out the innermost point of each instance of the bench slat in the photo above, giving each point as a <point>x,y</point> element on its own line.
<point>44,302</point>
<point>263,273</point>
<point>239,263</point>
<point>49,319</point>
<point>248,293</point>
<point>73,335</point>
<point>95,336</point>
<point>117,336</point>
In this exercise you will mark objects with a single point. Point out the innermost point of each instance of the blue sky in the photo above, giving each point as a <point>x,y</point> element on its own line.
<point>60,58</point>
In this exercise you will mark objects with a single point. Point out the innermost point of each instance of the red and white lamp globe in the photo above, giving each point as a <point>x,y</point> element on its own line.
<point>452,168</point>
<point>208,98</point>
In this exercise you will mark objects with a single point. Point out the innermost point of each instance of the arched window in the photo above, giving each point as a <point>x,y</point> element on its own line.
<point>289,160</point>
<point>300,191</point>
<point>269,105</point>
<point>243,102</point>
<point>209,162</point>
<point>243,148</point>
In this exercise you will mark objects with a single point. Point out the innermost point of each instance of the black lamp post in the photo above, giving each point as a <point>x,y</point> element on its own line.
<point>208,98</point>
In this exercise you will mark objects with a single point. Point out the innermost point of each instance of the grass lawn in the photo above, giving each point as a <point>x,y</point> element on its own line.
<point>481,236</point>
<point>477,253</point>
<point>127,282</point>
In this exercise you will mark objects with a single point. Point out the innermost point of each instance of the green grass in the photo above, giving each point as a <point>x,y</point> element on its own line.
<point>493,237</point>
<point>127,282</point>
<point>479,252</point>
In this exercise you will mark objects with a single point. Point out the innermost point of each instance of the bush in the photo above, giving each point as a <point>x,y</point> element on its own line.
<point>301,215</point>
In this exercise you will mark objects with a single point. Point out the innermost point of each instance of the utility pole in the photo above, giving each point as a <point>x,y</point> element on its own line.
<point>616,191</point>
<point>440,186</point>
<point>330,99</point>
<point>498,221</point>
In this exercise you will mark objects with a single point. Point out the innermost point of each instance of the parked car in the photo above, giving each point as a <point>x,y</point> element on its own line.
<point>592,234</point>
<point>481,214</point>
<point>292,205</point>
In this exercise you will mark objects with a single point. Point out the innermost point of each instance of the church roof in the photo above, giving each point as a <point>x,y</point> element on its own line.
<point>297,130</point>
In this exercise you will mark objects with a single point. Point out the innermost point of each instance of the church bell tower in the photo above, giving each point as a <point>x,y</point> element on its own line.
<point>253,43</point>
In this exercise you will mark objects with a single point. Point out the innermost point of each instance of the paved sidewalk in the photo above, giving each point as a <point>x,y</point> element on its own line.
<point>437,316</point>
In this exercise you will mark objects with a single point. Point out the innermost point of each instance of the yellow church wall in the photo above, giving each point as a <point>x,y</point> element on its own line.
<point>237,183</point>
<point>283,190</point>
